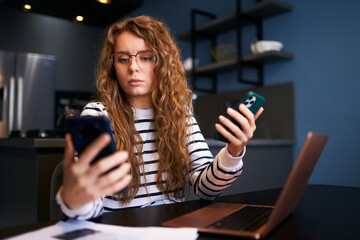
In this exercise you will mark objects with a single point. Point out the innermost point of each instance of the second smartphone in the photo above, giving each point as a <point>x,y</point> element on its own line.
<point>253,101</point>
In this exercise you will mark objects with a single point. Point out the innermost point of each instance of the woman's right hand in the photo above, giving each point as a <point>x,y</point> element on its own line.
<point>84,183</point>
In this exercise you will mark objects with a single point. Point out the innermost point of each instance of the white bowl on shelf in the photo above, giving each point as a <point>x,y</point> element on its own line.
<point>265,46</point>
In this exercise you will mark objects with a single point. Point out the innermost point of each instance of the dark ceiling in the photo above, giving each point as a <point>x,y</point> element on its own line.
<point>94,13</point>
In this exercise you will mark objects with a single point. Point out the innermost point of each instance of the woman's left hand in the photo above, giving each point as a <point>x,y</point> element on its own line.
<point>238,137</point>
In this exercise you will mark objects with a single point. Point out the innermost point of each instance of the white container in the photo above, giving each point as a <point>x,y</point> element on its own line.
<point>265,46</point>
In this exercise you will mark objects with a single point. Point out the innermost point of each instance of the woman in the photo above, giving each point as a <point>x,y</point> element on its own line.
<point>143,90</point>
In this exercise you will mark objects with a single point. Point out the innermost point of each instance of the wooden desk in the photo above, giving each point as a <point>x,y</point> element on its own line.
<point>324,212</point>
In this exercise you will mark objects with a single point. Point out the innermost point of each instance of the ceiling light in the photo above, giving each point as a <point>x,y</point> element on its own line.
<point>27,7</point>
<point>79,18</point>
<point>104,1</point>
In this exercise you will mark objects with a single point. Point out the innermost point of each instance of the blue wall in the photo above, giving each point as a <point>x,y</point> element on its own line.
<point>324,37</point>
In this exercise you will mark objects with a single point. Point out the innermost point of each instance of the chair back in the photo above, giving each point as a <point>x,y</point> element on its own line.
<point>56,181</point>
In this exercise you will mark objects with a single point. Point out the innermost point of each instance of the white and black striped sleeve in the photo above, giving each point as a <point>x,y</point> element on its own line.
<point>95,109</point>
<point>209,176</point>
<point>88,211</point>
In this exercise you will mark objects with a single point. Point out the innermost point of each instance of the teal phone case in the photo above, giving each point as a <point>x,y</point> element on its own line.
<point>251,100</point>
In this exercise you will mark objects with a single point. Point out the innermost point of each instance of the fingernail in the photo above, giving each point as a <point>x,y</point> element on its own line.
<point>230,110</point>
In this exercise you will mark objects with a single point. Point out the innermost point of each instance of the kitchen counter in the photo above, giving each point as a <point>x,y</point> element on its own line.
<point>26,167</point>
<point>60,142</point>
<point>256,143</point>
<point>33,142</point>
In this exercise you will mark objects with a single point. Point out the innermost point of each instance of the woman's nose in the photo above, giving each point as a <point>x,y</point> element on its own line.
<point>134,64</point>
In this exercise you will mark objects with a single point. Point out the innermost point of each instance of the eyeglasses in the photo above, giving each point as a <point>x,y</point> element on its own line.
<point>142,58</point>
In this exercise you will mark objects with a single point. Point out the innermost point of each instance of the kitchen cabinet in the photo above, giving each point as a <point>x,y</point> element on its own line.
<point>26,167</point>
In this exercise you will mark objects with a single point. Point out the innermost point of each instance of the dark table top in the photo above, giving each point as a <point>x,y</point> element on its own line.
<point>324,212</point>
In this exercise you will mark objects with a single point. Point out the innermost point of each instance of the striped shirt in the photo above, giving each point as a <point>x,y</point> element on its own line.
<point>209,176</point>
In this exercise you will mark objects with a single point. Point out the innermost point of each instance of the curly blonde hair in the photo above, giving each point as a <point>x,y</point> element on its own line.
<point>172,100</point>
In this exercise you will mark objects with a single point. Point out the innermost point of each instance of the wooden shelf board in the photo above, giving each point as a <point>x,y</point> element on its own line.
<point>267,57</point>
<point>230,64</point>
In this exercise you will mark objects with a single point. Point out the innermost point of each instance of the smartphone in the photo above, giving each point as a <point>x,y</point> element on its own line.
<point>76,234</point>
<point>86,129</point>
<point>253,101</point>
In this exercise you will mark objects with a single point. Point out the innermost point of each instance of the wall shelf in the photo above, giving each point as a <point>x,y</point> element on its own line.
<point>228,65</point>
<point>253,15</point>
<point>259,11</point>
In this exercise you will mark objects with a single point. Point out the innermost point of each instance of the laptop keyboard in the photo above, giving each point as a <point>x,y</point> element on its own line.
<point>248,218</point>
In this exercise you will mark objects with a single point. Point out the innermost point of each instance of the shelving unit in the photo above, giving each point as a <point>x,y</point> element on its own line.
<point>251,15</point>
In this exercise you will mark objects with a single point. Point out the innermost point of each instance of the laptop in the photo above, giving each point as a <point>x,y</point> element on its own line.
<point>256,221</point>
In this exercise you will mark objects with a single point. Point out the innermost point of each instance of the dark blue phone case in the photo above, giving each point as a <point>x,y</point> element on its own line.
<point>86,129</point>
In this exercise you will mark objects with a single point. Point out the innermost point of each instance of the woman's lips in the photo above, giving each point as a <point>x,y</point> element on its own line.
<point>135,82</point>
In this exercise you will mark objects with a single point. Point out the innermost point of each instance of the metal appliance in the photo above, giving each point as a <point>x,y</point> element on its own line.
<point>27,92</point>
